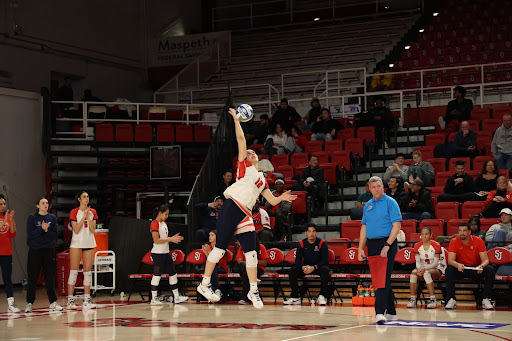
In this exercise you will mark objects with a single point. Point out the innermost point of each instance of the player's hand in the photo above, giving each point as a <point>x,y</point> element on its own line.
<point>176,238</point>
<point>361,256</point>
<point>460,267</point>
<point>233,113</point>
<point>421,271</point>
<point>480,269</point>
<point>206,249</point>
<point>287,196</point>
<point>12,214</point>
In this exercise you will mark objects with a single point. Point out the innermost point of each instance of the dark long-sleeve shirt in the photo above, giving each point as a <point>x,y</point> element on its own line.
<point>209,216</point>
<point>286,117</point>
<point>399,195</point>
<point>462,142</point>
<point>36,237</point>
<point>315,173</point>
<point>312,254</point>
<point>467,186</point>
<point>482,184</point>
<point>326,126</point>
<point>424,203</point>
<point>465,107</point>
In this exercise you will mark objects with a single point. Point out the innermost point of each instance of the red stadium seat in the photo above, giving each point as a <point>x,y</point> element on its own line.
<point>350,256</point>
<point>333,146</point>
<point>202,133</point>
<point>275,256</point>
<point>439,164</point>
<point>196,257</point>
<point>479,161</point>
<point>184,133</point>
<point>256,147</point>
<point>351,229</point>
<point>415,237</point>
<point>499,256</point>
<point>345,134</point>
<point>447,210</point>
<point>164,133</point>
<point>329,173</point>
<point>409,227</point>
<point>452,226</point>
<point>299,159</point>
<point>441,178</point>
<point>474,125</point>
<point>498,112</point>
<point>491,124</point>
<point>143,133</point>
<point>427,152</point>
<point>298,170</point>
<point>332,256</point>
<point>338,245</point>
<point>483,139</point>
<point>366,134</point>
<point>104,132</point>
<point>290,256</point>
<point>342,159</point>
<point>471,208</point>
<point>354,146</point>
<point>314,146</point>
<point>405,256</point>
<point>299,205</point>
<point>486,223</point>
<point>286,170</point>
<point>124,132</point>
<point>280,160</point>
<point>323,157</point>
<point>408,162</point>
<point>435,139</point>
<point>453,160</point>
<point>436,225</point>
<point>178,256</point>
<point>435,191</point>
<point>480,114</point>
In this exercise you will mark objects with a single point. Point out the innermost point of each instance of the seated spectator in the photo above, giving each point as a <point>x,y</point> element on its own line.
<point>501,146</point>
<point>227,180</point>
<point>420,169</point>
<point>382,79</point>
<point>464,143</point>
<point>265,166</point>
<point>311,180</point>
<point>249,129</point>
<point>428,267</point>
<point>220,268</point>
<point>459,187</point>
<point>325,127</point>
<point>381,118</point>
<point>474,226</point>
<point>468,251</point>
<point>486,181</point>
<point>498,199</point>
<point>209,213</point>
<point>263,129</point>
<point>276,141</point>
<point>280,211</point>
<point>500,232</point>
<point>398,169</point>
<point>285,115</point>
<point>312,257</point>
<point>356,213</point>
<point>262,263</point>
<point>312,115</point>
<point>417,204</point>
<point>395,190</point>
<point>300,140</point>
<point>457,109</point>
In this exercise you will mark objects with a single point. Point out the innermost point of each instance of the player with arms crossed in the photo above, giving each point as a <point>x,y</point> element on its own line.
<point>235,217</point>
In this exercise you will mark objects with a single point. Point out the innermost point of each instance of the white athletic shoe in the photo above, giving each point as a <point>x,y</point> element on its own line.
<point>71,304</point>
<point>218,293</point>
<point>442,123</point>
<point>322,300</point>
<point>452,304</point>
<point>11,306</point>
<point>28,308</point>
<point>292,301</point>
<point>486,304</point>
<point>88,304</point>
<point>256,299</point>
<point>243,302</point>
<point>390,317</point>
<point>208,293</point>
<point>156,301</point>
<point>432,304</point>
<point>412,303</point>
<point>53,307</point>
<point>180,299</point>
<point>380,319</point>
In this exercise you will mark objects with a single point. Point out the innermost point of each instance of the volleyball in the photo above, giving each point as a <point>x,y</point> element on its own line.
<point>244,112</point>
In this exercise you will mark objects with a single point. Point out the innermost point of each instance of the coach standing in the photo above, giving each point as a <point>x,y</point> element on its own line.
<point>380,226</point>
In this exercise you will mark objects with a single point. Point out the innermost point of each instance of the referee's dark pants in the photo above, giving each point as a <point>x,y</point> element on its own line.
<point>384,298</point>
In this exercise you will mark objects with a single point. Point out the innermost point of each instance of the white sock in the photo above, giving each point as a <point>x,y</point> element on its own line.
<point>254,287</point>
<point>10,300</point>
<point>206,281</point>
<point>154,294</point>
<point>175,292</point>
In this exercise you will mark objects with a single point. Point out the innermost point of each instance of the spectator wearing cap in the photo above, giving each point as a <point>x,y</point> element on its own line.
<point>459,187</point>
<point>421,170</point>
<point>501,146</point>
<point>417,204</point>
<point>464,143</point>
<point>263,129</point>
<point>395,190</point>
<point>279,211</point>
<point>312,115</point>
<point>382,119</point>
<point>209,213</point>
<point>499,233</point>
<point>397,170</point>
<point>498,199</point>
<point>261,221</point>
<point>457,109</point>
<point>325,127</point>
<point>356,213</point>
<point>285,115</point>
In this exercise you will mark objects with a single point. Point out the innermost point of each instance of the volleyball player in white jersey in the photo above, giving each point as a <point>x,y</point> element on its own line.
<point>235,217</point>
<point>430,265</point>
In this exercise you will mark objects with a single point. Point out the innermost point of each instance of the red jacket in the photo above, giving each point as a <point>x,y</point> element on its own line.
<point>492,194</point>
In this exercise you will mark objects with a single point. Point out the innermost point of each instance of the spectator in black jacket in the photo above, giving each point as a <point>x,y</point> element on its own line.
<point>312,257</point>
<point>209,212</point>
<point>311,180</point>
<point>312,115</point>
<point>382,118</point>
<point>457,109</point>
<point>263,129</point>
<point>395,190</point>
<point>464,143</point>
<point>285,115</point>
<point>417,204</point>
<point>459,187</point>
<point>325,127</point>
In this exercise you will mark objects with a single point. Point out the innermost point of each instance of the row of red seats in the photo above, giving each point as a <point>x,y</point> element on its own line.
<point>431,48</point>
<point>434,61</point>
<point>165,133</point>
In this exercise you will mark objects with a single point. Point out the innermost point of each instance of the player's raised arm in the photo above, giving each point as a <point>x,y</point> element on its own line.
<point>273,200</point>
<point>240,137</point>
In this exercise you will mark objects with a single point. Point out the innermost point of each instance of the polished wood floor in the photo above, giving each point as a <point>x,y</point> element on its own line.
<point>117,319</point>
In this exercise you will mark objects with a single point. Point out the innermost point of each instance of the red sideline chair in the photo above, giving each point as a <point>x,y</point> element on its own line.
<point>275,256</point>
<point>196,257</point>
<point>447,210</point>
<point>338,247</point>
<point>290,256</point>
<point>499,256</point>
<point>405,256</point>
<point>351,256</point>
<point>178,256</point>
<point>332,257</point>
<point>351,229</point>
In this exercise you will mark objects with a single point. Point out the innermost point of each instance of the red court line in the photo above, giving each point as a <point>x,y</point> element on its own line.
<point>499,337</point>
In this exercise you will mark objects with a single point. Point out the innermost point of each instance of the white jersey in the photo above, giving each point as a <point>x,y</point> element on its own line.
<point>427,256</point>
<point>247,188</point>
<point>85,238</point>
<point>163,232</point>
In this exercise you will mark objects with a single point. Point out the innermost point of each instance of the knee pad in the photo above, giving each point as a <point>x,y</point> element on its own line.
<point>155,280</point>
<point>216,255</point>
<point>428,277</point>
<point>87,278</point>
<point>251,259</point>
<point>73,275</point>
<point>173,280</point>
<point>413,279</point>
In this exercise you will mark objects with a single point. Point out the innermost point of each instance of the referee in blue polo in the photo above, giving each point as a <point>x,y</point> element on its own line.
<point>380,225</point>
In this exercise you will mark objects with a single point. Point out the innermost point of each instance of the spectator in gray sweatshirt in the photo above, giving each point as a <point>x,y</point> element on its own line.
<point>500,232</point>
<point>501,146</point>
<point>397,170</point>
<point>420,170</point>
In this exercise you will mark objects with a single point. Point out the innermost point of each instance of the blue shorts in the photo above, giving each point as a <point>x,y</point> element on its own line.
<point>230,215</point>
<point>163,264</point>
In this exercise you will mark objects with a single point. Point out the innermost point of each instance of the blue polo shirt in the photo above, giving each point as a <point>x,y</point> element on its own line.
<point>379,216</point>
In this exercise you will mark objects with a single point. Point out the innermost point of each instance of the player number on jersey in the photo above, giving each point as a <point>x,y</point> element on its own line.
<point>259,183</point>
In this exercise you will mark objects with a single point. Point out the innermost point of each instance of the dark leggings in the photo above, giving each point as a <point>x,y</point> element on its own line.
<point>162,263</point>
<point>215,277</point>
<point>6,264</point>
